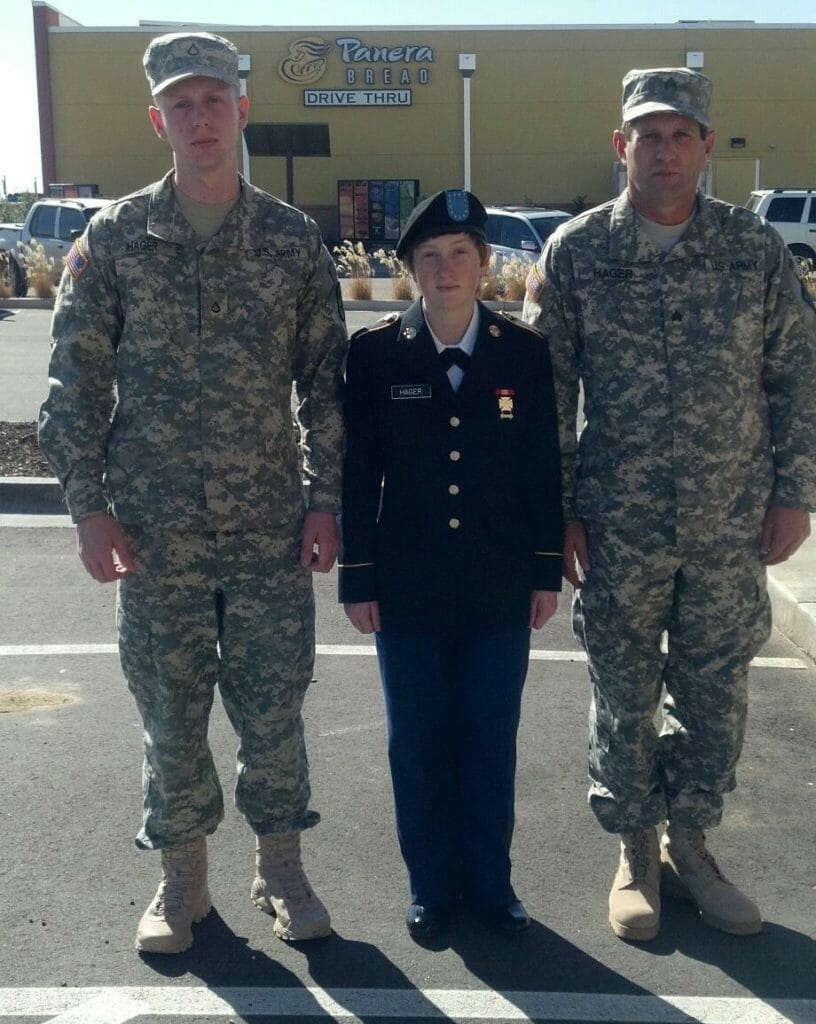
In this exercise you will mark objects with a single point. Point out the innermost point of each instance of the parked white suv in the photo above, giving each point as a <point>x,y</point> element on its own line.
<point>54,224</point>
<point>792,211</point>
<point>521,230</point>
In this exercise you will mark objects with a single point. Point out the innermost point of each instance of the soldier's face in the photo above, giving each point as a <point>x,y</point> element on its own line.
<point>200,118</point>
<point>664,157</point>
<point>447,270</point>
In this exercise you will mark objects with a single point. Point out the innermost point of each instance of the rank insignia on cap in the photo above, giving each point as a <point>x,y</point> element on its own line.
<point>77,261</point>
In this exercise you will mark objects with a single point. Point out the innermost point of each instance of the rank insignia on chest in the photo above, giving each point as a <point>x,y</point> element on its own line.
<point>505,398</point>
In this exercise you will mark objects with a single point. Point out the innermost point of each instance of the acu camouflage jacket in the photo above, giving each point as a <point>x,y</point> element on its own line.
<point>698,369</point>
<point>171,375</point>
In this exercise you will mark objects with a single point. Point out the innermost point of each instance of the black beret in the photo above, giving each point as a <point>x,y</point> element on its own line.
<point>444,213</point>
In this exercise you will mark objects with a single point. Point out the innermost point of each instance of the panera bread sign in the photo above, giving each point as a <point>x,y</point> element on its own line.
<point>373,75</point>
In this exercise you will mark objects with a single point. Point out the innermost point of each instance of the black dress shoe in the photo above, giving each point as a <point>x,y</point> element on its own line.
<point>512,919</point>
<point>423,922</point>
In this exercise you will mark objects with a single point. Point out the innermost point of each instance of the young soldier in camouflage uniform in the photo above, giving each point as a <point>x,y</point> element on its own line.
<point>685,321</point>
<point>185,313</point>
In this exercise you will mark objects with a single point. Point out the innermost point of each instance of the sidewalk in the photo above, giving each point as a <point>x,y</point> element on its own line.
<point>792,587</point>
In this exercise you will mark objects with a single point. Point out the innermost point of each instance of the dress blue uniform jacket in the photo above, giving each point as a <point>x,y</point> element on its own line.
<point>451,500</point>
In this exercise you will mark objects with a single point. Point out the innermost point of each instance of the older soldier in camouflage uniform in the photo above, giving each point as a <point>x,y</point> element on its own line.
<point>685,321</point>
<point>185,313</point>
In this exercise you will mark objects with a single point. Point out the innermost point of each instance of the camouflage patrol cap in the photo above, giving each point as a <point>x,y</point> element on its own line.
<point>444,213</point>
<point>660,90</point>
<point>178,55</point>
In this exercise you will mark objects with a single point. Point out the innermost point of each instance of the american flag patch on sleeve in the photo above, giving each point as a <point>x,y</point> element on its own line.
<point>535,283</point>
<point>77,261</point>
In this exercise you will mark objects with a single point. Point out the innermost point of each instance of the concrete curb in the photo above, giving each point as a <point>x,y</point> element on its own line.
<point>794,618</point>
<point>26,303</point>
<point>31,495</point>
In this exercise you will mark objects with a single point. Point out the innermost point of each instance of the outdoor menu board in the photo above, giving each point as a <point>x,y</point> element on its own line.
<point>375,209</point>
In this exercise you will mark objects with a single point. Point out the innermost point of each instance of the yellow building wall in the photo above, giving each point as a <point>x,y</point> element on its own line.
<point>544,104</point>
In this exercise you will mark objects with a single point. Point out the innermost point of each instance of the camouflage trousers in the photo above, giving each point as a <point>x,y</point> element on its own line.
<point>714,607</point>
<point>236,610</point>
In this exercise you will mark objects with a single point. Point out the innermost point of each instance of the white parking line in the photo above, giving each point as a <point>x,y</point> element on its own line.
<point>118,1005</point>
<point>343,650</point>
<point>109,1007</point>
<point>29,650</point>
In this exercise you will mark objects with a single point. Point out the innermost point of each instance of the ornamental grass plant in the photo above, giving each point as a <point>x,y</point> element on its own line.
<point>489,287</point>
<point>513,278</point>
<point>506,284</point>
<point>809,278</point>
<point>39,269</point>
<point>354,263</point>
<point>5,276</point>
<point>402,287</point>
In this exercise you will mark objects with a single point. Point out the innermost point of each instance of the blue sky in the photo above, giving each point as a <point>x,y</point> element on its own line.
<point>19,155</point>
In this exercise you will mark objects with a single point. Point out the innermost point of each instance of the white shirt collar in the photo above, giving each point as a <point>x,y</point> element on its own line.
<point>468,341</point>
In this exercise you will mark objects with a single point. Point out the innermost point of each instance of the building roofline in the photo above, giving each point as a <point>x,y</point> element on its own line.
<point>680,26</point>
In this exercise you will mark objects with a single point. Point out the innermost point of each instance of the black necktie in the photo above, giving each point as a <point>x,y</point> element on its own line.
<point>452,356</point>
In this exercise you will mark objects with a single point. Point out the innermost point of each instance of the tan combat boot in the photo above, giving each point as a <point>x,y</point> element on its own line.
<point>690,872</point>
<point>181,900</point>
<point>634,900</point>
<point>282,889</point>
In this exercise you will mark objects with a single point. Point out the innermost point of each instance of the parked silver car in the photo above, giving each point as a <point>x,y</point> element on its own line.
<point>521,230</point>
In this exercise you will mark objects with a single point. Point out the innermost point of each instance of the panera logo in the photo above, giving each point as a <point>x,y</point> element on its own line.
<point>306,62</point>
<point>354,51</point>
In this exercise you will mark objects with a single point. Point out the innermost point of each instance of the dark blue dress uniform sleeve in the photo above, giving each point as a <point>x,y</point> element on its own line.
<point>451,500</point>
<point>544,470</point>
<point>362,474</point>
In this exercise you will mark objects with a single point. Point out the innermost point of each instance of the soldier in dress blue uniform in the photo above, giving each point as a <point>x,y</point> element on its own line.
<point>452,534</point>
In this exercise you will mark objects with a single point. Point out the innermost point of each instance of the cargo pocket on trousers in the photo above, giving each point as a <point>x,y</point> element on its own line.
<point>136,653</point>
<point>763,622</point>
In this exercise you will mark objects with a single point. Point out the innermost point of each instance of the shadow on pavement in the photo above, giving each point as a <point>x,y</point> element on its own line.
<point>770,965</point>
<point>220,958</point>
<point>538,961</point>
<point>224,960</point>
